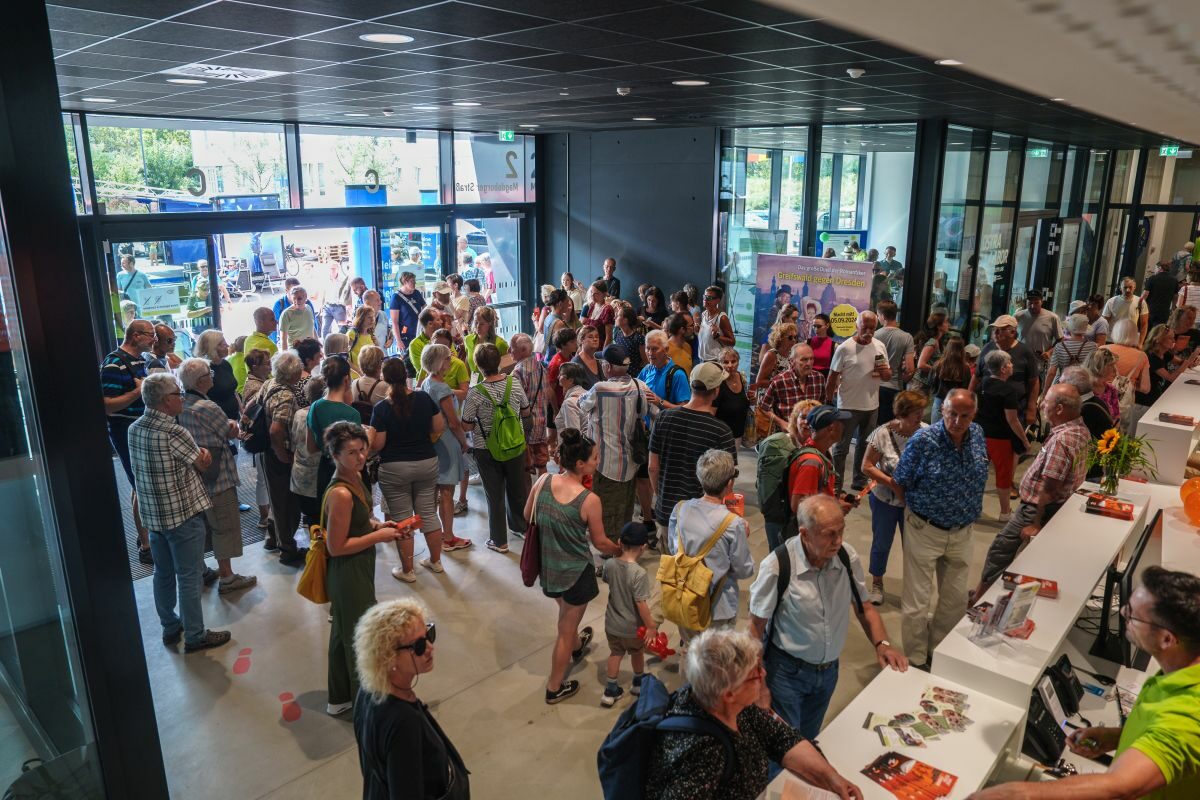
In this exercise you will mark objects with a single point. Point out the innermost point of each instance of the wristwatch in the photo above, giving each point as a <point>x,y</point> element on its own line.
<point>882,641</point>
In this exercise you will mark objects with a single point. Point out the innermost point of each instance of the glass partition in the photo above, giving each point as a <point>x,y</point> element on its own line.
<point>1172,180</point>
<point>993,284</point>
<point>73,162</point>
<point>492,252</point>
<point>416,250</point>
<point>368,167</point>
<point>490,170</point>
<point>147,166</point>
<point>1124,169</point>
<point>165,281</point>
<point>955,253</point>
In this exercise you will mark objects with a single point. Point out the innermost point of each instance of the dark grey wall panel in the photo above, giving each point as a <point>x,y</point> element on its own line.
<point>642,197</point>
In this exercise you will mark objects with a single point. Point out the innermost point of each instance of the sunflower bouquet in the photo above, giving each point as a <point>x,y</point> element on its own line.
<point>1118,455</point>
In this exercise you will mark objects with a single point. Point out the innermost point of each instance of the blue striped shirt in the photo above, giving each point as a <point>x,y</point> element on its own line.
<point>117,373</point>
<point>611,408</point>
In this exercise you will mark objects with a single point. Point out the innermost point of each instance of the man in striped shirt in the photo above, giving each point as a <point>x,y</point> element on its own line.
<point>680,436</point>
<point>121,375</point>
<point>613,408</point>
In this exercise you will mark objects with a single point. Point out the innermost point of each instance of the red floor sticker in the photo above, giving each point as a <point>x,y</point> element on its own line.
<point>242,665</point>
<point>291,709</point>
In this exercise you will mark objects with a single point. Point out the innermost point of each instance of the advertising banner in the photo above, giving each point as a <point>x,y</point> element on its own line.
<point>837,288</point>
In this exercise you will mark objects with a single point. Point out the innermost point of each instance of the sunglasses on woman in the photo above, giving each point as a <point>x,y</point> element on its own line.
<point>419,646</point>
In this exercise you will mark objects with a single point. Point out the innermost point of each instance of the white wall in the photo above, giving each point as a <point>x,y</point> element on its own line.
<point>890,201</point>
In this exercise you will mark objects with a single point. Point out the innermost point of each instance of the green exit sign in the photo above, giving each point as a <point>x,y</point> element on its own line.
<point>506,136</point>
<point>1169,150</point>
<point>1039,152</point>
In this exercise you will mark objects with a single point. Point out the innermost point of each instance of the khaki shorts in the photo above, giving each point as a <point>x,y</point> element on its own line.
<point>225,524</point>
<point>620,646</point>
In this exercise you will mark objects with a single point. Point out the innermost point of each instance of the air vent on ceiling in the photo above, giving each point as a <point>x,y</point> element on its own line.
<point>241,74</point>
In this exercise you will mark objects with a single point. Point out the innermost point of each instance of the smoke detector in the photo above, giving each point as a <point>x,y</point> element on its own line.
<point>856,72</point>
<point>624,91</point>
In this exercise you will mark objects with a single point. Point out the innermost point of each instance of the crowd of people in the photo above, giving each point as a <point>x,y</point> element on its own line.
<point>612,431</point>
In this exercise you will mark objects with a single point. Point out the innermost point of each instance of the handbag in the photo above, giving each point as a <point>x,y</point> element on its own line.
<point>531,549</point>
<point>311,585</point>
<point>639,441</point>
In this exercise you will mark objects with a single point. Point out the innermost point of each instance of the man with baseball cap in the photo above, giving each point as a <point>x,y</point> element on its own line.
<point>1026,375</point>
<point>680,436</point>
<point>811,471</point>
<point>614,408</point>
<point>1039,328</point>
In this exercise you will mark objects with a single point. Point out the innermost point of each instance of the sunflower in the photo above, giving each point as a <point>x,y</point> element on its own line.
<point>1108,441</point>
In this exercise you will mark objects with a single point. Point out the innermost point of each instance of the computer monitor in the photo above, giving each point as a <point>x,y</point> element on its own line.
<point>1119,583</point>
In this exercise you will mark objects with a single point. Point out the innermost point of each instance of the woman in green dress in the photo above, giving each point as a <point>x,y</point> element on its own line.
<point>350,538</point>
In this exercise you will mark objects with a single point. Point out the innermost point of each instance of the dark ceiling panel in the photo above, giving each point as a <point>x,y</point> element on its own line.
<point>570,37</point>
<point>667,22</point>
<point>199,36</point>
<point>568,10</point>
<point>259,19</point>
<point>820,32</point>
<point>746,40</point>
<point>95,23</point>
<point>461,19</point>
<point>484,50</point>
<point>755,13</point>
<point>350,35</point>
<point>175,53</point>
<point>322,51</point>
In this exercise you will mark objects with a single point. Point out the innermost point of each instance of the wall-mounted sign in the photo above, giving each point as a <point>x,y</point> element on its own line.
<point>506,136</point>
<point>1168,150</point>
<point>1038,152</point>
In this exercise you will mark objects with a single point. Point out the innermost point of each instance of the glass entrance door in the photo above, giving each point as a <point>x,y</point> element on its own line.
<point>489,250</point>
<point>166,281</point>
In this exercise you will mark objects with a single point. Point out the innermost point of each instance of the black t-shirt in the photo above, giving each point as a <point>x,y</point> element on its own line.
<point>1096,416</point>
<point>656,316</point>
<point>1193,339</point>
<point>1025,366</point>
<point>732,408</point>
<point>1158,384</point>
<point>407,437</point>
<point>995,397</point>
<point>1161,288</point>
<point>403,752</point>
<point>224,389</point>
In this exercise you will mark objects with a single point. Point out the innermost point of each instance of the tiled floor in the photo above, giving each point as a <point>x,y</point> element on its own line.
<point>224,735</point>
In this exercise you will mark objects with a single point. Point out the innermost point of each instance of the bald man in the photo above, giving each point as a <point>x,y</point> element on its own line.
<point>1055,474</point>
<point>264,325</point>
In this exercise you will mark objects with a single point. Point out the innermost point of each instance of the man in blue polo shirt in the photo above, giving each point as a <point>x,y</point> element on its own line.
<point>943,471</point>
<point>666,379</point>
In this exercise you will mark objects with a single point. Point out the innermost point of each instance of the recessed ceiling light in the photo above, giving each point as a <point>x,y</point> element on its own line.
<point>527,125</point>
<point>690,82</point>
<point>355,114</point>
<point>564,94</point>
<point>644,119</point>
<point>464,103</point>
<point>851,108</point>
<point>948,62</point>
<point>186,81</point>
<point>97,100</point>
<point>386,38</point>
<point>1058,99</point>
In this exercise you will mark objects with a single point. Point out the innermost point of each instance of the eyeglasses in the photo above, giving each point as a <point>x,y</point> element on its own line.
<point>418,646</point>
<point>174,394</point>
<point>168,341</point>
<point>1127,613</point>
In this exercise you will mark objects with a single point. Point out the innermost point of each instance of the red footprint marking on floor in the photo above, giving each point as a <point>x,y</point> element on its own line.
<point>291,709</point>
<point>242,665</point>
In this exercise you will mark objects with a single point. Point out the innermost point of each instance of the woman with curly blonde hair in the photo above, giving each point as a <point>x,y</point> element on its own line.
<point>402,750</point>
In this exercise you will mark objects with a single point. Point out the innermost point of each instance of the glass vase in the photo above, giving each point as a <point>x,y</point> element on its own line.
<point>1110,481</point>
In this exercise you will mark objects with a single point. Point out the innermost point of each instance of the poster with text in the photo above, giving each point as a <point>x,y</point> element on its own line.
<point>834,287</point>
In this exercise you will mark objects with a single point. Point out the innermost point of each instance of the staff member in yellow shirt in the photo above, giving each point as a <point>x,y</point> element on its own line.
<point>1157,753</point>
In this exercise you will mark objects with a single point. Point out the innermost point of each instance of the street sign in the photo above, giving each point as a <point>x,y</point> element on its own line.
<point>506,136</point>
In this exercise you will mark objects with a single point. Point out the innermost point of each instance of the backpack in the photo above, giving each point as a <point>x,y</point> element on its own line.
<point>790,525</point>
<point>624,758</point>
<point>258,432</point>
<point>362,403</point>
<point>639,441</point>
<point>506,439</point>
<point>781,586</point>
<point>685,580</point>
<point>775,454</point>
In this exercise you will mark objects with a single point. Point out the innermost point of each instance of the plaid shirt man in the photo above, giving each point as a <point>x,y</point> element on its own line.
<point>169,488</point>
<point>209,426</point>
<point>787,389</point>
<point>532,374</point>
<point>1063,458</point>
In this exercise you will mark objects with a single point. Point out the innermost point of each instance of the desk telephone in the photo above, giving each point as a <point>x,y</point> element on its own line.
<point>1055,698</point>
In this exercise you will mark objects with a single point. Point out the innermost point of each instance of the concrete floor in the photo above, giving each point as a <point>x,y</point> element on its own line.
<point>222,729</point>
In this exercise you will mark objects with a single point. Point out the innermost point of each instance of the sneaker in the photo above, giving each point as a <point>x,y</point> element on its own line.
<point>611,695</point>
<point>568,689</point>
<point>474,480</point>
<point>499,548</point>
<point>456,543</point>
<point>517,534</point>
<point>235,583</point>
<point>270,546</point>
<point>145,557</point>
<point>585,638</point>
<point>1003,518</point>
<point>408,577</point>
<point>294,559</point>
<point>264,522</point>
<point>210,639</point>
<point>460,508</point>
<point>636,688</point>
<point>432,566</point>
<point>210,576</point>
<point>875,596</point>
<point>337,709</point>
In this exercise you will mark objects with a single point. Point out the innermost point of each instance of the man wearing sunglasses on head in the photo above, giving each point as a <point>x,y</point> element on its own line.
<point>1156,754</point>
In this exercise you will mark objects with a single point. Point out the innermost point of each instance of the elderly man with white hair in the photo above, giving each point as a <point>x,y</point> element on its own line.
<point>166,472</point>
<point>804,592</point>
<point>860,364</point>
<point>212,430</point>
<point>532,374</point>
<point>281,397</point>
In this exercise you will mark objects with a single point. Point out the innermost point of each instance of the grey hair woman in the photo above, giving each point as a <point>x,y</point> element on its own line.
<point>726,677</point>
<point>451,445</point>
<point>211,345</point>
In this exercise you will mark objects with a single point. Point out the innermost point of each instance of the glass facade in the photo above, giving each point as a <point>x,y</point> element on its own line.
<point>368,167</point>
<point>490,170</point>
<point>958,224</point>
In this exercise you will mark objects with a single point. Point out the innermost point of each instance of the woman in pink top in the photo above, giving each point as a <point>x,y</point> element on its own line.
<point>1103,365</point>
<point>1133,369</point>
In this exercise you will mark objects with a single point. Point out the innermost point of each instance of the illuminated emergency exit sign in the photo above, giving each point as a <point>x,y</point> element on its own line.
<point>1169,150</point>
<point>505,136</point>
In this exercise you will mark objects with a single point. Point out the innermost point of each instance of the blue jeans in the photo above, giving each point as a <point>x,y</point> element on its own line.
<point>799,694</point>
<point>774,534</point>
<point>884,520</point>
<point>179,558</point>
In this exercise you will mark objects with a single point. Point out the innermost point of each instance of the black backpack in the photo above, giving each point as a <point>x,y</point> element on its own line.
<point>781,585</point>
<point>362,404</point>
<point>258,432</point>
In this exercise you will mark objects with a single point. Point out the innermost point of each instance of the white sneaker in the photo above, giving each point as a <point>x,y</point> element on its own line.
<point>1003,518</point>
<point>875,596</point>
<point>432,566</point>
<point>337,709</point>
<point>408,577</point>
<point>473,479</point>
